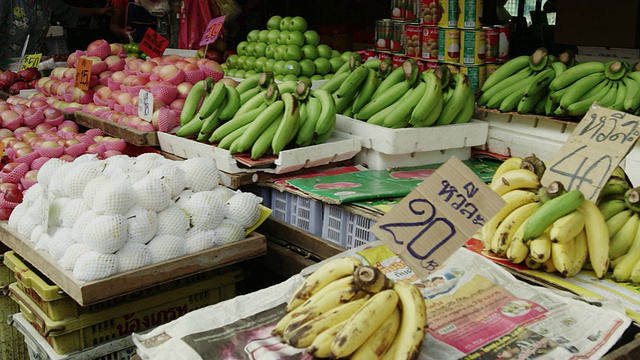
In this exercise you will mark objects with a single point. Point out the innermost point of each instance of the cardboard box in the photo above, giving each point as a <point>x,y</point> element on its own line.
<point>632,165</point>
<point>596,23</point>
<point>339,147</point>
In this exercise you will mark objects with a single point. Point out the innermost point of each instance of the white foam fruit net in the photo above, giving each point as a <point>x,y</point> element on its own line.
<point>92,188</point>
<point>71,255</point>
<point>116,196</point>
<point>77,231</point>
<point>173,221</point>
<point>152,194</point>
<point>244,208</point>
<point>198,240</point>
<point>143,224</point>
<point>78,176</point>
<point>72,211</point>
<point>229,232</point>
<point>133,256</point>
<point>172,175</point>
<point>60,241</point>
<point>201,172</point>
<point>93,265</point>
<point>206,210</point>
<point>182,198</point>
<point>106,233</point>
<point>165,247</point>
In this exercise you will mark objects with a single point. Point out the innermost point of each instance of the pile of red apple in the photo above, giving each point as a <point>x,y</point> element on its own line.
<point>33,132</point>
<point>13,82</point>
<point>117,79</point>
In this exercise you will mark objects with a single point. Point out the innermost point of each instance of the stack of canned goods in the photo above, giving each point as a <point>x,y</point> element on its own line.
<point>444,31</point>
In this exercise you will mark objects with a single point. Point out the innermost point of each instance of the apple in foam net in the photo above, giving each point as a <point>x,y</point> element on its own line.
<point>103,93</point>
<point>52,113</point>
<point>5,133</point>
<point>38,103</point>
<point>123,98</point>
<point>147,66</point>
<point>69,73</point>
<point>168,71</point>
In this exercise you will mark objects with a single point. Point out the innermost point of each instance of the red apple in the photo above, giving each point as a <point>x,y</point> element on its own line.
<point>24,151</point>
<point>52,113</point>
<point>70,73</point>
<point>139,80</point>
<point>13,195</point>
<point>38,103</point>
<point>168,71</point>
<point>31,175</point>
<point>103,93</point>
<point>5,133</point>
<point>118,76</point>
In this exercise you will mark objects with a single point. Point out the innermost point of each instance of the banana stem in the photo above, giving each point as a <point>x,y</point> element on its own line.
<point>410,69</point>
<point>556,189</point>
<point>384,68</point>
<point>266,79</point>
<point>272,94</point>
<point>568,58</point>
<point>539,59</point>
<point>302,91</point>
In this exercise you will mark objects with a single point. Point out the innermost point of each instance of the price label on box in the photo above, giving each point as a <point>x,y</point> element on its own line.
<point>30,61</point>
<point>438,217</point>
<point>145,105</point>
<point>153,44</point>
<point>589,156</point>
<point>83,73</point>
<point>213,30</point>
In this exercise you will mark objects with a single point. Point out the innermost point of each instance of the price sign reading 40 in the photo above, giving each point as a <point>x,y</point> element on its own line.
<point>591,153</point>
<point>83,73</point>
<point>438,217</point>
<point>213,30</point>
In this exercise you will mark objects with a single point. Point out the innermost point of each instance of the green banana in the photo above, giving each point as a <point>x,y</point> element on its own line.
<point>550,211</point>
<point>262,145</point>
<point>192,102</point>
<point>366,91</point>
<point>246,96</point>
<point>539,107</point>
<point>461,91</point>
<point>327,118</point>
<point>540,82</point>
<point>549,105</point>
<point>334,83</point>
<point>510,103</point>
<point>396,76</point>
<point>632,199</point>
<point>622,239</point>
<point>289,125</point>
<point>614,186</point>
<point>305,135</point>
<point>558,68</point>
<point>352,83</point>
<point>255,102</point>
<point>406,105</point>
<point>259,125</point>
<point>616,69</point>
<point>378,118</point>
<point>236,122</point>
<point>505,71</point>
<point>378,103</point>
<point>213,100</point>
<point>466,112</point>
<point>232,103</point>
<point>250,82</point>
<point>621,94</point>
<point>342,103</point>
<point>192,127</point>
<point>287,87</point>
<point>632,98</point>
<point>428,100</point>
<point>372,63</point>
<point>575,73</point>
<point>610,97</point>
<point>528,103</point>
<point>508,83</point>
<point>581,107</point>
<point>344,68</point>
<point>229,139</point>
<point>577,89</point>
<point>617,221</point>
<point>321,138</point>
<point>210,123</point>
<point>496,100</point>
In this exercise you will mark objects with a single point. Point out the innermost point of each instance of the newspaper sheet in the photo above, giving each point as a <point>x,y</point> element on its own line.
<point>475,310</point>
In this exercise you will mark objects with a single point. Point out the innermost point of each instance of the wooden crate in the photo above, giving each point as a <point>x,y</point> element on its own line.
<point>132,136</point>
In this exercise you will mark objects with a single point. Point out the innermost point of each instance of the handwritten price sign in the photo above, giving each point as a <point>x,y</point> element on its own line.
<point>438,217</point>
<point>145,105</point>
<point>213,30</point>
<point>30,61</point>
<point>153,44</point>
<point>597,145</point>
<point>83,73</point>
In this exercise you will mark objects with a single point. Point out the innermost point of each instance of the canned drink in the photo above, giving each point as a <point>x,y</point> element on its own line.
<point>453,68</point>
<point>383,34</point>
<point>470,12</point>
<point>429,12</point>
<point>472,47</point>
<point>397,10</point>
<point>504,37</point>
<point>430,42</point>
<point>411,8</point>
<point>397,60</point>
<point>448,13</point>
<point>476,75</point>
<point>412,40</point>
<point>397,37</point>
<point>490,69</point>
<point>491,36</point>
<point>449,45</point>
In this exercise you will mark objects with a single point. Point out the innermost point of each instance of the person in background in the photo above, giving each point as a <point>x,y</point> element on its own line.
<point>89,28</point>
<point>22,18</point>
<point>130,19</point>
<point>502,14</point>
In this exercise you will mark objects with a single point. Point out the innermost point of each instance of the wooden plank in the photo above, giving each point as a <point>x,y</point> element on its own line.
<point>284,261</point>
<point>87,293</point>
<point>132,136</point>
<point>293,236</point>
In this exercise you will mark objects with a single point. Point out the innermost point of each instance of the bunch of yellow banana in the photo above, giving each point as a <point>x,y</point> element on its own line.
<point>347,309</point>
<point>403,97</point>
<point>258,116</point>
<point>546,227</point>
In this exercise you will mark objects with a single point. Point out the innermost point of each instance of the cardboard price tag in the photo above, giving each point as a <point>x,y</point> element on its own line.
<point>30,61</point>
<point>438,217</point>
<point>213,30</point>
<point>145,105</point>
<point>83,73</point>
<point>591,153</point>
<point>152,43</point>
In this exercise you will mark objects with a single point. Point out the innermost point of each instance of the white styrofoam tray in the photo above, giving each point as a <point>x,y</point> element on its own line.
<point>415,140</point>
<point>375,160</point>
<point>339,147</point>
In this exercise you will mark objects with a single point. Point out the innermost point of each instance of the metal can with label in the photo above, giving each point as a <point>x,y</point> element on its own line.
<point>383,34</point>
<point>476,75</point>
<point>397,36</point>
<point>449,45</point>
<point>491,35</point>
<point>490,69</point>
<point>411,9</point>
<point>397,9</point>
<point>431,65</point>
<point>429,42</point>
<point>504,38</point>
<point>384,55</point>
<point>453,68</point>
<point>412,40</point>
<point>470,13</point>
<point>429,12</point>
<point>397,60</point>
<point>472,47</point>
<point>448,13</point>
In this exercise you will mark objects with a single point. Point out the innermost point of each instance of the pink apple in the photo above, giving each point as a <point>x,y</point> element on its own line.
<point>52,113</point>
<point>42,128</point>
<point>139,80</point>
<point>8,115</point>
<point>59,71</point>
<point>20,108</point>
<point>66,157</point>
<point>116,48</point>
<point>49,144</point>
<point>40,82</point>
<point>70,73</point>
<point>184,87</point>
<point>134,64</point>
<point>177,104</point>
<point>118,76</point>
<point>124,98</point>
<point>147,66</point>
<point>38,103</point>
<point>103,93</point>
<point>171,59</point>
<point>112,59</point>
<point>26,136</point>
<point>47,86</point>
<point>127,79</point>
<point>145,126</point>
<point>77,94</point>
<point>5,133</point>
<point>168,71</point>
<point>71,142</point>
<point>31,175</point>
<point>24,151</point>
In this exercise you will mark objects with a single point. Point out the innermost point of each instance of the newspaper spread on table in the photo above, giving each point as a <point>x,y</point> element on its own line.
<point>475,310</point>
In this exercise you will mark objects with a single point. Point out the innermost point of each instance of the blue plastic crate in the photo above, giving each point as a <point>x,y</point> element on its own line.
<point>279,203</point>
<point>306,214</point>
<point>358,231</point>
<point>334,224</point>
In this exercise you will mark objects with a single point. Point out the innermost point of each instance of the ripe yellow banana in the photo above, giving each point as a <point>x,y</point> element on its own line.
<point>408,340</point>
<point>508,227</point>
<point>321,345</point>
<point>548,266</point>
<point>532,264</point>
<point>378,343</point>
<point>567,227</point>
<point>364,322</point>
<point>621,241</point>
<point>635,274</point>
<point>326,274</point>
<point>617,221</point>
<point>540,248</point>
<point>518,251</point>
<point>563,255</point>
<point>581,253</point>
<point>597,237</point>
<point>622,270</point>
<point>514,199</point>
<point>511,163</point>
<point>515,179</point>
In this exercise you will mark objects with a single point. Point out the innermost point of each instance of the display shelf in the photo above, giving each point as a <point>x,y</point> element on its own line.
<point>132,136</point>
<point>87,293</point>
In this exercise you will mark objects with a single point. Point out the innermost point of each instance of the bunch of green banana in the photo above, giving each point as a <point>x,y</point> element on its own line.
<point>349,310</point>
<point>521,84</point>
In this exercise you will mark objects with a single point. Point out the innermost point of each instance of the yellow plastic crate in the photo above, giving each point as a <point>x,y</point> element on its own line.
<point>12,346</point>
<point>57,305</point>
<point>88,330</point>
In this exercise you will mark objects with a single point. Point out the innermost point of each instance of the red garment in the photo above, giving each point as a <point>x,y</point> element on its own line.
<point>194,18</point>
